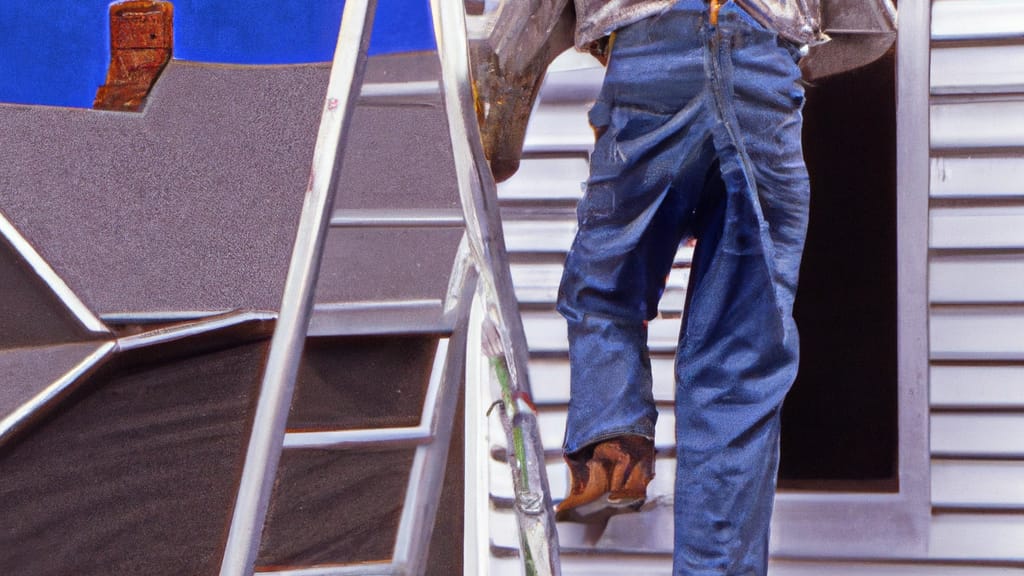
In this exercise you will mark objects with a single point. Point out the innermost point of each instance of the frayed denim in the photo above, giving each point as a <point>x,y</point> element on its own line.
<point>699,136</point>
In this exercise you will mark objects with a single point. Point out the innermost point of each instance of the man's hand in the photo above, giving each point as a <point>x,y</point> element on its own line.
<point>508,68</point>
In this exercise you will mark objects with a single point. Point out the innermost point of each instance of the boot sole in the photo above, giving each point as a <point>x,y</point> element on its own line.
<point>599,510</point>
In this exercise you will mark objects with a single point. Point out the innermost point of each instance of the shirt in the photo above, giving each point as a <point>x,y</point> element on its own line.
<point>796,20</point>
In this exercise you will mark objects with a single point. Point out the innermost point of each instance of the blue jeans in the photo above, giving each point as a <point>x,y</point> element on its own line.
<point>699,136</point>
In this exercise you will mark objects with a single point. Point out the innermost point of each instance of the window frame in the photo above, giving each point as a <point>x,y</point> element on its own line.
<point>888,525</point>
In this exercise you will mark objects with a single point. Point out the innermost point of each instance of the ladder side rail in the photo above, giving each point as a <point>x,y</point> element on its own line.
<point>478,192</point>
<point>476,555</point>
<point>276,389</point>
<point>426,481</point>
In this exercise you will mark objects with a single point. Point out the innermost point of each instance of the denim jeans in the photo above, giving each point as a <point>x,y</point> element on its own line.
<point>699,137</point>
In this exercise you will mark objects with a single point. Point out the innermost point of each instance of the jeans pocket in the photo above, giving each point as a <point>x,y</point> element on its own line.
<point>597,204</point>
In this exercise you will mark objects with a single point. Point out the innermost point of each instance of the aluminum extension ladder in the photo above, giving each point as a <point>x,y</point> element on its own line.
<point>482,265</point>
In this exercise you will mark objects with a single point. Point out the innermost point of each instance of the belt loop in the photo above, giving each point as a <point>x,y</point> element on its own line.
<point>715,5</point>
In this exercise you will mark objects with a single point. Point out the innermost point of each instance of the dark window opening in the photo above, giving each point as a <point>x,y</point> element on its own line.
<point>840,420</point>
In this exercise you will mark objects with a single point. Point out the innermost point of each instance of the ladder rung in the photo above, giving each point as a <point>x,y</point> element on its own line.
<point>370,437</point>
<point>386,317</point>
<point>406,436</point>
<point>353,570</point>
<point>408,218</point>
<point>385,91</point>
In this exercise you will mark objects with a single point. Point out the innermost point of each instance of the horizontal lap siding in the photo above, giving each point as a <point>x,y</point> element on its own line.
<point>612,565</point>
<point>559,129</point>
<point>978,227</point>
<point>978,333</point>
<point>976,282</point>
<point>978,70</point>
<point>999,387</point>
<point>977,177</point>
<point>976,279</point>
<point>978,484</point>
<point>978,435</point>
<point>977,20</point>
<point>548,178</point>
<point>977,124</point>
<point>550,380</point>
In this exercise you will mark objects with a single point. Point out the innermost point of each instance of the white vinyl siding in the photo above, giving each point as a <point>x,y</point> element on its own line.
<point>981,227</point>
<point>977,177</point>
<point>978,387</point>
<point>978,70</point>
<point>612,565</point>
<point>993,123</point>
<point>976,282</point>
<point>974,484</point>
<point>975,20</point>
<point>977,333</point>
<point>976,279</point>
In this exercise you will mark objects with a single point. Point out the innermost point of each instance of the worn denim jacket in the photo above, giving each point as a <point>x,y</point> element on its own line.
<point>796,20</point>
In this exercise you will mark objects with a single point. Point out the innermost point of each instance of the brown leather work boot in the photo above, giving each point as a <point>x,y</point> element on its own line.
<point>607,478</point>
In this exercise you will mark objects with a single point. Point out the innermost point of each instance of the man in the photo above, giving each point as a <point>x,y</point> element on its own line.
<point>699,136</point>
<point>698,129</point>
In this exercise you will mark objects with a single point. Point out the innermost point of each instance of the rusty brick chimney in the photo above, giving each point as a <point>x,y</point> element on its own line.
<point>141,38</point>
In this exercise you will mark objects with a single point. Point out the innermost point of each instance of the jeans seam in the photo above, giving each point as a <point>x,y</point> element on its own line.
<point>726,115</point>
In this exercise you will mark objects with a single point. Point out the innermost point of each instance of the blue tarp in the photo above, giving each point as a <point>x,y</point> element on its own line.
<point>55,52</point>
